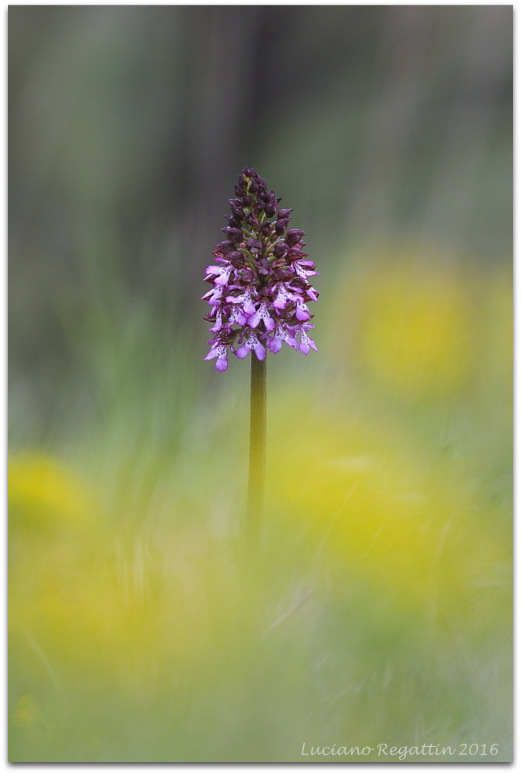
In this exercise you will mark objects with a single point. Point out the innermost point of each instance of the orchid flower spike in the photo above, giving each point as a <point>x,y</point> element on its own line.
<point>260,288</point>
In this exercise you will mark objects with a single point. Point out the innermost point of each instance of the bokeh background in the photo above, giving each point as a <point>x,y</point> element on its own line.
<point>374,605</point>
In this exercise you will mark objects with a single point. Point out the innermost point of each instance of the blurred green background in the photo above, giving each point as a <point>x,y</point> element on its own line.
<point>375,605</point>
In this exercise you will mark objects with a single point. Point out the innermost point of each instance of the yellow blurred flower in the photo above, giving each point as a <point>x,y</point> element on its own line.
<point>407,530</point>
<point>43,493</point>
<point>412,318</point>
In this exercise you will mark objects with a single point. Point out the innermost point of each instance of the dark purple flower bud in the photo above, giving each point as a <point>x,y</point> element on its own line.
<point>270,207</point>
<point>234,221</point>
<point>263,267</point>
<point>284,213</point>
<point>236,258</point>
<point>281,225</point>
<point>224,247</point>
<point>233,234</point>
<point>237,210</point>
<point>262,189</point>
<point>284,274</point>
<point>280,249</point>
<point>238,191</point>
<point>293,236</point>
<point>247,200</point>
<point>254,245</point>
<point>295,254</point>
<point>248,275</point>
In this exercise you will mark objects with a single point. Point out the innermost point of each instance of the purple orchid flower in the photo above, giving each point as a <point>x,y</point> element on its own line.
<point>260,287</point>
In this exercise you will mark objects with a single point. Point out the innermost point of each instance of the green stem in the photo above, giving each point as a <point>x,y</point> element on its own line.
<point>257,439</point>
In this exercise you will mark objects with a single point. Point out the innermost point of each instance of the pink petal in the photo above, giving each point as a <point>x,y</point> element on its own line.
<point>274,344</point>
<point>302,313</point>
<point>242,351</point>
<point>222,363</point>
<point>260,350</point>
<point>254,320</point>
